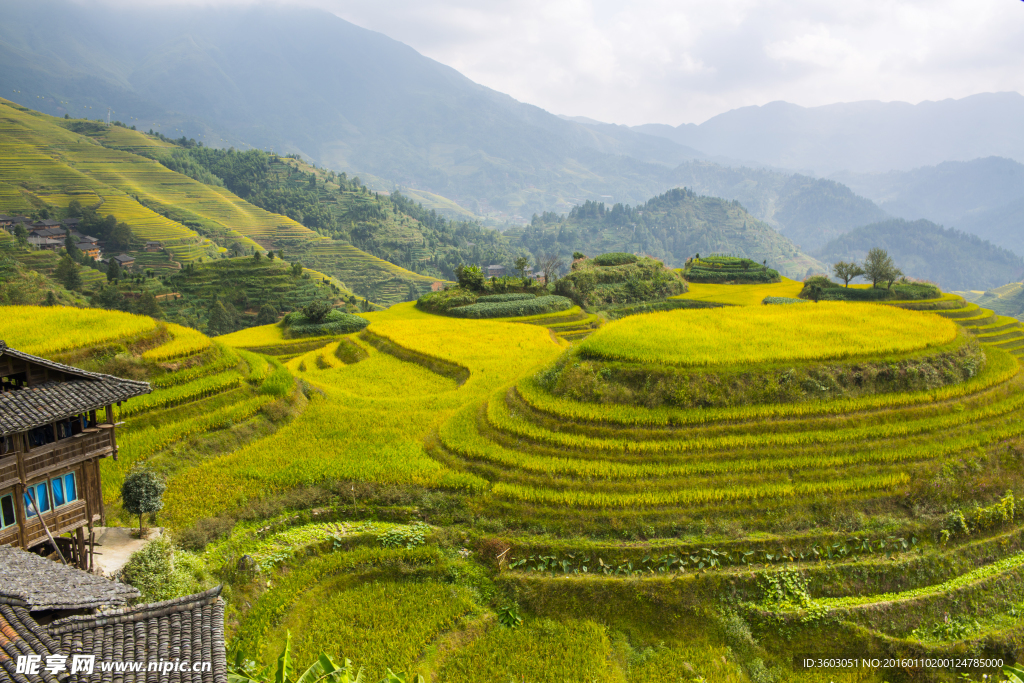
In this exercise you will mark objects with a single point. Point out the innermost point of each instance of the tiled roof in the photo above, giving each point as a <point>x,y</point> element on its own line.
<point>21,635</point>
<point>49,402</point>
<point>124,258</point>
<point>36,583</point>
<point>189,629</point>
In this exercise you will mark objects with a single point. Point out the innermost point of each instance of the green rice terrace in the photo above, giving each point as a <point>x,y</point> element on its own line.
<point>534,492</point>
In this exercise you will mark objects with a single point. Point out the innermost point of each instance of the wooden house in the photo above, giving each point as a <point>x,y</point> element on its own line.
<point>496,270</point>
<point>91,249</point>
<point>57,612</point>
<point>56,423</point>
<point>125,261</point>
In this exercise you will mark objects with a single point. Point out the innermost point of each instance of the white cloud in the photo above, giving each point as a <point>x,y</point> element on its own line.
<point>677,61</point>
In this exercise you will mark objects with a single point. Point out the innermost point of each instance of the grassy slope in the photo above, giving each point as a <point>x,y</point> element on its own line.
<point>43,164</point>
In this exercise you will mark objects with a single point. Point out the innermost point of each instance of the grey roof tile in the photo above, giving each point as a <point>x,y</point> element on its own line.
<point>189,629</point>
<point>21,635</point>
<point>54,401</point>
<point>36,583</point>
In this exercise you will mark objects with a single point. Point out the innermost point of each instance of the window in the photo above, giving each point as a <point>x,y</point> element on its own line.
<point>63,489</point>
<point>7,516</point>
<point>37,497</point>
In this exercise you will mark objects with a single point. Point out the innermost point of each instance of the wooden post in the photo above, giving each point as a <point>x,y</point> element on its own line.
<point>21,445</point>
<point>80,556</point>
<point>113,432</point>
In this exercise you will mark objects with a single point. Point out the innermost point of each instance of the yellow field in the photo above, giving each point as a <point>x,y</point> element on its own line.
<point>47,330</point>
<point>372,417</point>
<point>826,331</point>
<point>740,295</point>
<point>185,341</point>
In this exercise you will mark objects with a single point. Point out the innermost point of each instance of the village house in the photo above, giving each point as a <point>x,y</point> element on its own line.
<point>56,423</point>
<point>90,249</point>
<point>436,286</point>
<point>154,246</point>
<point>495,271</point>
<point>57,612</point>
<point>47,243</point>
<point>45,224</point>
<point>125,261</point>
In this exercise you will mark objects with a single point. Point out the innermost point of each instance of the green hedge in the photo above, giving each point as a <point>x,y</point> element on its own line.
<point>335,322</point>
<point>615,258</point>
<point>754,275</point>
<point>513,309</point>
<point>770,300</point>
<point>502,298</point>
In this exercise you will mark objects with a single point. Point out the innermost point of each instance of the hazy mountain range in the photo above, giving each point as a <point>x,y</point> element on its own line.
<point>304,81</point>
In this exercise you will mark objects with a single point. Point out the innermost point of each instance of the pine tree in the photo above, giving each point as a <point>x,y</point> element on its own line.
<point>67,274</point>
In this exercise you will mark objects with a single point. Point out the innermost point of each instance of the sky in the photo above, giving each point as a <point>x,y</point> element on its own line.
<point>684,61</point>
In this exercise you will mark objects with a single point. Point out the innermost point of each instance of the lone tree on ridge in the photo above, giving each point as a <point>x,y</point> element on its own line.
<point>847,271</point>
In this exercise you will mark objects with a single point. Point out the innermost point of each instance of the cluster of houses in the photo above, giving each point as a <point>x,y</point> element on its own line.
<point>498,270</point>
<point>50,235</point>
<point>59,621</point>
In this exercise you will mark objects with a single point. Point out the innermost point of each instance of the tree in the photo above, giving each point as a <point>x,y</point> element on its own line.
<point>317,309</point>
<point>142,492</point>
<point>257,255</point>
<point>67,274</point>
<point>270,255</point>
<point>847,271</point>
<point>522,264</point>
<point>51,299</point>
<point>267,315</point>
<point>891,276</point>
<point>878,265</point>
<point>551,264</point>
<point>577,255</point>
<point>71,247</point>
<point>120,237</point>
<point>21,234</point>
<point>470,277</point>
<point>220,321</point>
<point>296,269</point>
<point>113,270</point>
<point>148,306</point>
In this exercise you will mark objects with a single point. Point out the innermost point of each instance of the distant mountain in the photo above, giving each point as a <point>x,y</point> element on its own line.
<point>673,227</point>
<point>809,211</point>
<point>923,250</point>
<point>303,80</point>
<point>984,197</point>
<point>865,137</point>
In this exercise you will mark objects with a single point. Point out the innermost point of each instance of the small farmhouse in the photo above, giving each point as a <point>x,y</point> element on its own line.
<point>57,612</point>
<point>56,423</point>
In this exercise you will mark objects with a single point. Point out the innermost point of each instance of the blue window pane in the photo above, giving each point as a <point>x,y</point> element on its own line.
<point>42,497</point>
<point>70,490</point>
<point>30,509</point>
<point>58,492</point>
<point>7,517</point>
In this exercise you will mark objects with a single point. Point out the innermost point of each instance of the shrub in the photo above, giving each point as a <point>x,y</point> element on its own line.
<point>615,258</point>
<point>335,322</point>
<point>774,300</point>
<point>513,309</point>
<point>442,302</point>
<point>160,572</point>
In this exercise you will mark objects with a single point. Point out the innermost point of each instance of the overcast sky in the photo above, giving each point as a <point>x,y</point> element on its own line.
<point>683,61</point>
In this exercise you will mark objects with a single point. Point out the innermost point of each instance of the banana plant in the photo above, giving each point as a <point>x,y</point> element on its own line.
<point>324,670</point>
<point>1014,674</point>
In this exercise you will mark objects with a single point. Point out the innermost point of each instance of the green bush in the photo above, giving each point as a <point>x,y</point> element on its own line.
<point>513,309</point>
<point>160,572</point>
<point>298,325</point>
<point>444,301</point>
<point>615,258</point>
<point>501,298</point>
<point>773,300</point>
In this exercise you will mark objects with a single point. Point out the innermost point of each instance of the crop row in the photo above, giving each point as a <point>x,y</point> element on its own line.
<point>185,342</point>
<point>499,416</point>
<point>1001,367</point>
<point>460,436</point>
<point>224,358</point>
<point>182,393</point>
<point>271,607</point>
<point>695,496</point>
<point>709,337</point>
<point>48,330</point>
<point>712,559</point>
<point>981,573</point>
<point>137,444</point>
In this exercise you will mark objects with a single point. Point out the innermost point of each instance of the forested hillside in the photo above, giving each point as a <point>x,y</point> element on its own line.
<point>672,227</point>
<point>984,197</point>
<point>924,250</point>
<point>809,211</point>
